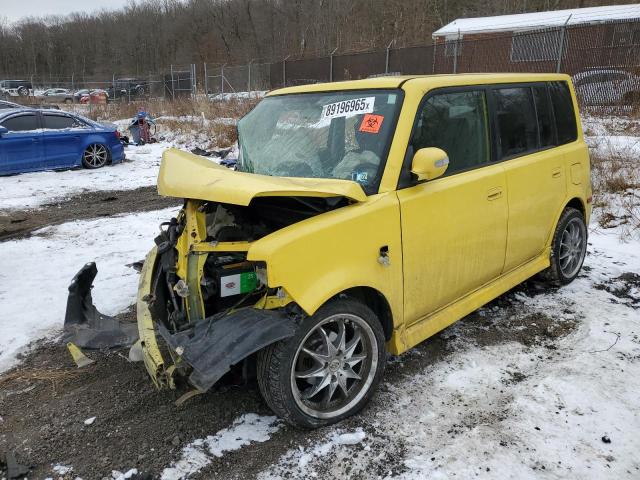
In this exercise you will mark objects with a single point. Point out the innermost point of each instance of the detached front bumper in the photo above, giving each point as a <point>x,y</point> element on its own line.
<point>208,348</point>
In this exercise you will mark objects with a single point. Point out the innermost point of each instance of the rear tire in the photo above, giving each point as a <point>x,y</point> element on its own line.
<point>23,91</point>
<point>95,156</point>
<point>568,248</point>
<point>328,370</point>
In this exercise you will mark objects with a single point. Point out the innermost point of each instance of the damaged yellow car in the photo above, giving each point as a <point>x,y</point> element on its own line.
<point>363,217</point>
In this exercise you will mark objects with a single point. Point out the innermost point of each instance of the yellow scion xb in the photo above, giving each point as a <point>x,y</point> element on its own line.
<point>362,218</point>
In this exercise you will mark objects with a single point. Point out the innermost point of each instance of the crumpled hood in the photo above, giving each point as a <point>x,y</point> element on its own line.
<point>185,175</point>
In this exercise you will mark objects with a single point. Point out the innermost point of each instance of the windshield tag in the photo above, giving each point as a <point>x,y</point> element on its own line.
<point>360,177</point>
<point>348,108</point>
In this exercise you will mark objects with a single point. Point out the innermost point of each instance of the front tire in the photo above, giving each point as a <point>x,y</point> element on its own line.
<point>95,156</point>
<point>328,370</point>
<point>568,248</point>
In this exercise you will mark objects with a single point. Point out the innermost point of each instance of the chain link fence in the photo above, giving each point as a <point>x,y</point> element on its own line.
<point>603,58</point>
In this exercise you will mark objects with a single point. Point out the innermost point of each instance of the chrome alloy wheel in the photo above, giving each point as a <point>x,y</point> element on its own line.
<point>96,155</point>
<point>334,366</point>
<point>572,248</point>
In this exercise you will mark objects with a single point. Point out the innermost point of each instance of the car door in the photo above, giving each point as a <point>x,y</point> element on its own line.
<point>535,169</point>
<point>62,136</point>
<point>21,148</point>
<point>454,228</point>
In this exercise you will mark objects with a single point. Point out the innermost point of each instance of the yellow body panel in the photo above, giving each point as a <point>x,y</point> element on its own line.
<point>186,175</point>
<point>454,243</point>
<point>454,231</point>
<point>152,357</point>
<point>322,256</point>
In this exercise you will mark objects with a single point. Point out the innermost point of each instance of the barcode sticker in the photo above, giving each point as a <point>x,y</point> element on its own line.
<point>348,108</point>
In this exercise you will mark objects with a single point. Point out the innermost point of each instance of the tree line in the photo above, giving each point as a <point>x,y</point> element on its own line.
<point>149,35</point>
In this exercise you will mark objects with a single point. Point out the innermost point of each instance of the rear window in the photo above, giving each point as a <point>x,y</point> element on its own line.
<point>21,124</point>
<point>58,122</point>
<point>563,111</point>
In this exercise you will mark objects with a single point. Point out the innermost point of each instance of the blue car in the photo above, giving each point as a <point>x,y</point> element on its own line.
<point>40,139</point>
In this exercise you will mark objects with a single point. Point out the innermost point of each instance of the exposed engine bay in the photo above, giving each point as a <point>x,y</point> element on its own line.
<point>211,307</point>
<point>227,280</point>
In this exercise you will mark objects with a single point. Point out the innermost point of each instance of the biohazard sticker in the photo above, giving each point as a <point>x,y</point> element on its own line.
<point>371,123</point>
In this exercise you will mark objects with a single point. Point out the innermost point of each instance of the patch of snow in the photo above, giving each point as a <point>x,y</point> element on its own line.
<point>117,475</point>
<point>62,469</point>
<point>533,20</point>
<point>36,272</point>
<point>296,462</point>
<point>237,95</point>
<point>89,421</point>
<point>199,453</point>
<point>31,190</point>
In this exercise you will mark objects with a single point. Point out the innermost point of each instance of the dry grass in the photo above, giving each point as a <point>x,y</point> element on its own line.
<point>32,375</point>
<point>210,123</point>
<point>615,169</point>
<point>183,107</point>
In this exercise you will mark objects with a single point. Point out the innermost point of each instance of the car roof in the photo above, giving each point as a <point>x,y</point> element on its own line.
<point>423,81</point>
<point>595,71</point>
<point>10,111</point>
<point>15,105</point>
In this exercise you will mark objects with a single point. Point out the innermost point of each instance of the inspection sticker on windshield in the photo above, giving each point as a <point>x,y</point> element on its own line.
<point>348,108</point>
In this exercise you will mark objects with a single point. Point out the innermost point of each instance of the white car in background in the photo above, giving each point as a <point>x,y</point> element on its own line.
<point>607,87</point>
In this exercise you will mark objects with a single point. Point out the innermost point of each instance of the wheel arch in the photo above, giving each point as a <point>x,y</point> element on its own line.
<point>574,202</point>
<point>375,300</point>
<point>91,140</point>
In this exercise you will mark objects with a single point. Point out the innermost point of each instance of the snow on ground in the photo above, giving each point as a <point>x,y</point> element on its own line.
<point>295,463</point>
<point>36,272</point>
<point>515,411</point>
<point>243,431</point>
<point>30,190</point>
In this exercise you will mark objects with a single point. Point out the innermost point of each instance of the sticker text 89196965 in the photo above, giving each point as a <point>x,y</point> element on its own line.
<point>347,108</point>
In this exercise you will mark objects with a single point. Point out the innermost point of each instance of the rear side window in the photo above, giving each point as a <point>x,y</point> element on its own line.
<point>22,123</point>
<point>563,112</point>
<point>545,116</point>
<point>516,119</point>
<point>456,123</point>
<point>59,122</point>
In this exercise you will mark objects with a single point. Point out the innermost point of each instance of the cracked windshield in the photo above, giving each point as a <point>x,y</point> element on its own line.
<point>328,135</point>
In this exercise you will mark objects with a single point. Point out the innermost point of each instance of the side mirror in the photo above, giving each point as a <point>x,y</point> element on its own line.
<point>3,130</point>
<point>429,163</point>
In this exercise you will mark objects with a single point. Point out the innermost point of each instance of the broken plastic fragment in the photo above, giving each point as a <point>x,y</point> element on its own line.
<point>84,325</point>
<point>80,358</point>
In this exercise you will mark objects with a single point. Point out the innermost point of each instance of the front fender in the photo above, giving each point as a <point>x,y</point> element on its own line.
<point>322,256</point>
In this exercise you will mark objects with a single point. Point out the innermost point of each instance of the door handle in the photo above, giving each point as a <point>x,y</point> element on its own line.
<point>494,193</point>
<point>556,172</point>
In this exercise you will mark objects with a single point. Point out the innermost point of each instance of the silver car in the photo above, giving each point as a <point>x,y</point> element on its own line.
<point>57,95</point>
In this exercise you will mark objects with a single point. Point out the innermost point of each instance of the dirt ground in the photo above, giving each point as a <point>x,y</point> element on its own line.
<point>19,224</point>
<point>44,402</point>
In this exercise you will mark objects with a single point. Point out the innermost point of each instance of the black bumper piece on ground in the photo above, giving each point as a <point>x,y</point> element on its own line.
<point>212,345</point>
<point>84,325</point>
